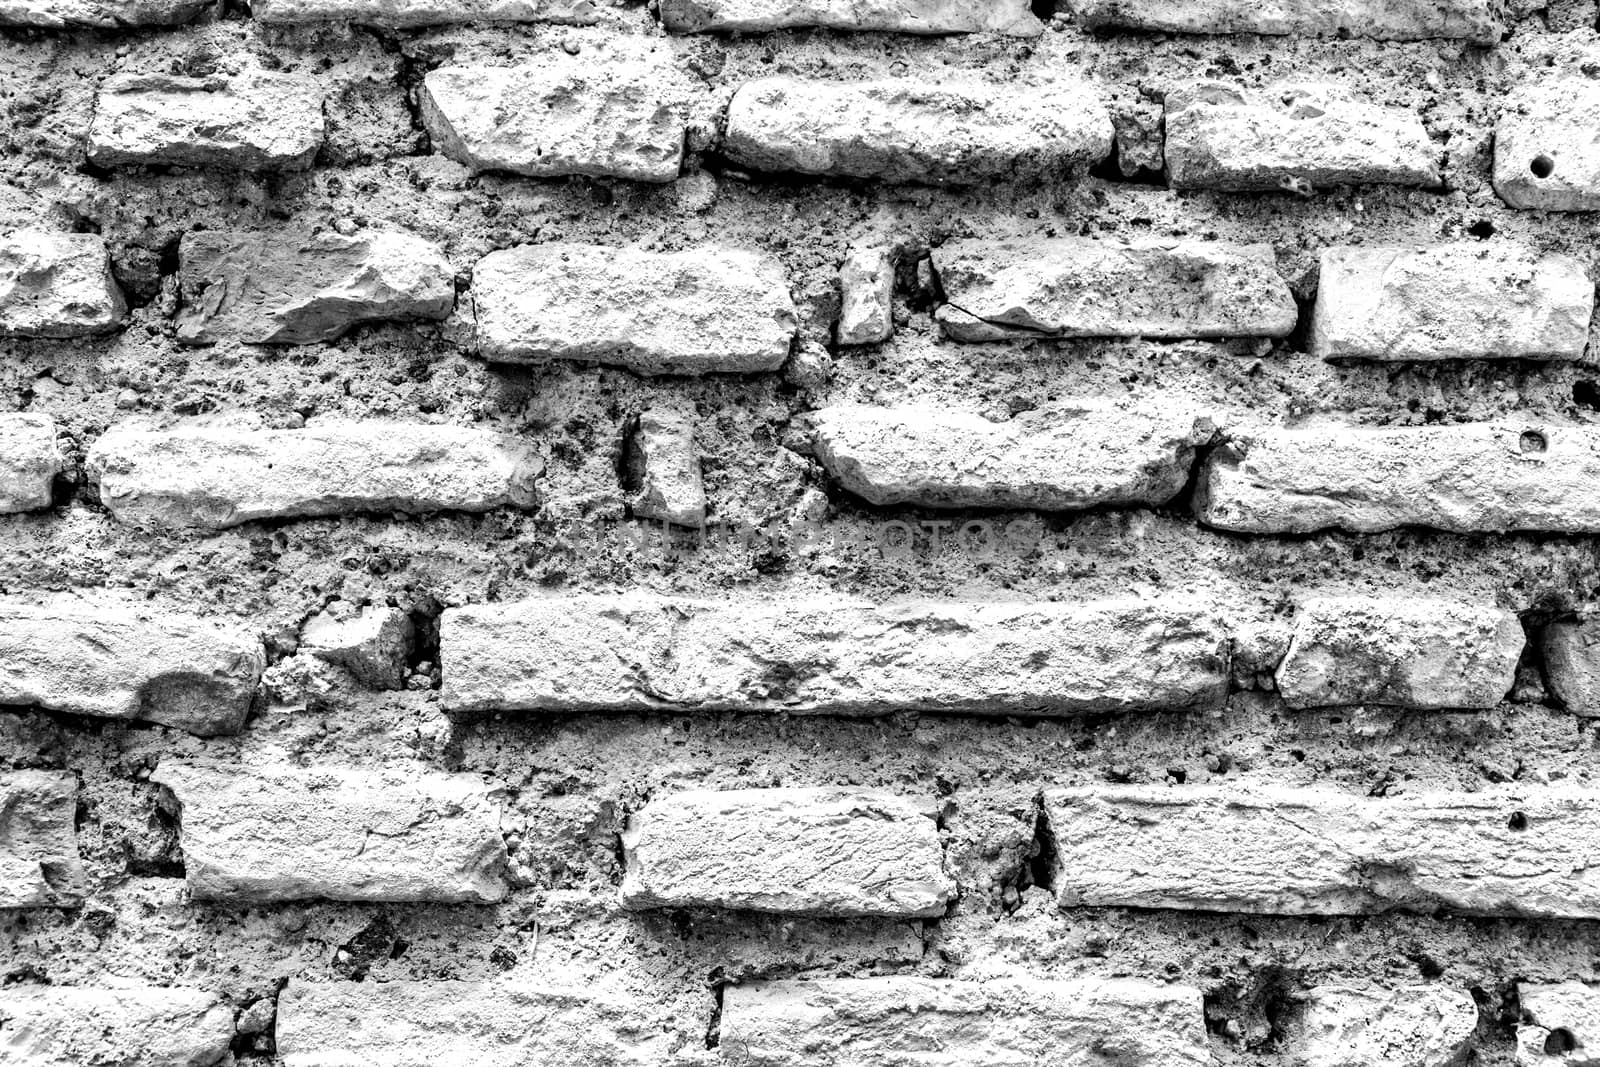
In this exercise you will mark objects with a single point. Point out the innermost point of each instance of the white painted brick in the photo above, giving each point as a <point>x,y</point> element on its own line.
<point>1082,287</point>
<point>214,476</point>
<point>99,14</point>
<point>1068,456</point>
<point>833,852</point>
<point>833,656</point>
<point>29,462</point>
<point>253,121</point>
<point>1560,1024</point>
<point>255,833</point>
<point>1362,1026</point>
<point>893,16</point>
<point>665,465</point>
<point>1572,663</point>
<point>115,658</point>
<point>697,312</point>
<point>39,865</point>
<point>1473,477</point>
<point>560,115</point>
<point>911,1021</point>
<point>958,131</point>
<point>1222,137</point>
<point>132,1026</point>
<point>1298,850</point>
<point>57,285</point>
<point>1468,301</point>
<point>1545,155</point>
<point>866,288</point>
<point>401,14</point>
<point>1478,21</point>
<point>1405,651</point>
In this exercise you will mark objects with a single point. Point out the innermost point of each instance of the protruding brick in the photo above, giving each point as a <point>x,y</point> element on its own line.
<point>29,462</point>
<point>57,285</point>
<point>1360,1026</point>
<point>253,833</point>
<point>99,14</point>
<point>866,286</point>
<point>1405,651</point>
<point>1298,850</point>
<point>213,476</point>
<point>1011,17</point>
<point>1081,287</point>
<point>1223,137</point>
<point>1069,456</point>
<point>833,656</point>
<point>1545,156</point>
<point>558,116</point>
<point>404,14</point>
<point>371,642</point>
<point>486,1024</point>
<point>39,865</point>
<point>1560,1024</point>
<point>1572,663</point>
<point>1475,477</point>
<point>254,121</point>
<point>664,468</point>
<point>130,1026</point>
<point>1478,21</point>
<point>913,130</point>
<point>698,312</point>
<point>872,1022</point>
<point>834,852</point>
<point>295,286</point>
<point>122,659</point>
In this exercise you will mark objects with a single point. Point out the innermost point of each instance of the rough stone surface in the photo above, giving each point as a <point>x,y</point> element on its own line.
<point>99,14</point>
<point>913,130</point>
<point>260,833</point>
<point>215,476</point>
<point>1478,21</point>
<point>1560,1024</point>
<point>1466,301</point>
<point>57,285</point>
<point>1405,651</point>
<point>1527,475</point>
<point>1546,157</point>
<point>866,284</point>
<point>29,462</point>
<point>665,466</point>
<point>1571,651</point>
<point>1059,458</point>
<point>836,656</point>
<point>1222,137</point>
<point>129,1026</point>
<point>371,642</point>
<point>832,852</point>
<point>1010,17</point>
<point>295,287</point>
<point>1082,287</point>
<point>1316,851</point>
<point>487,1024</point>
<point>258,121</point>
<point>39,864</point>
<point>1363,1026</point>
<point>911,1021</point>
<point>697,312</point>
<point>559,116</point>
<point>402,14</point>
<point>113,658</point>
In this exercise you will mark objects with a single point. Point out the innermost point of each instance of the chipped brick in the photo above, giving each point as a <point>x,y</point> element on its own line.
<point>131,1026</point>
<point>39,864</point>
<point>370,642</point>
<point>1477,21</point>
<point>1545,155</point>
<point>99,14</point>
<point>1358,1026</point>
<point>1560,1024</point>
<point>866,285</point>
<point>405,14</point>
<point>665,466</point>
<point>1011,17</point>
<point>29,462</point>
<point>57,285</point>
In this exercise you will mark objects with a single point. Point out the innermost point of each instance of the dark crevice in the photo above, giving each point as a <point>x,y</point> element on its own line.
<point>1300,339</point>
<point>1110,170</point>
<point>714,1026</point>
<point>1040,869</point>
<point>424,651</point>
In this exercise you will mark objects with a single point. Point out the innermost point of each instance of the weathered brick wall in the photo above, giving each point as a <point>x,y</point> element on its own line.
<point>799,532</point>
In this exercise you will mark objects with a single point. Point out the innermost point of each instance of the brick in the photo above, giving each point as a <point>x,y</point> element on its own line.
<point>1545,158</point>
<point>404,14</point>
<point>1011,17</point>
<point>486,1024</point>
<point>866,286</point>
<point>295,286</point>
<point>912,130</point>
<point>1477,21</point>
<point>909,1020</point>
<point>1071,455</point>
<point>1560,1024</point>
<point>112,658</point>
<point>29,462</point>
<point>255,121</point>
<point>833,656</point>
<point>213,476</point>
<point>1299,850</point>
<point>1473,477</point>
<point>129,1026</point>
<point>1223,137</point>
<point>99,14</point>
<point>1452,302</point>
<point>1411,652</point>
<point>372,643</point>
<point>834,852</point>
<point>698,312</point>
<point>261,833</point>
<point>1081,287</point>
<point>664,465</point>
<point>1358,1026</point>
<point>562,115</point>
<point>1571,651</point>
<point>39,864</point>
<point>57,285</point>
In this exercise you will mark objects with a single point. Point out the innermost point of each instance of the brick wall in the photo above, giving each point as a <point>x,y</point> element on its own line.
<point>799,532</point>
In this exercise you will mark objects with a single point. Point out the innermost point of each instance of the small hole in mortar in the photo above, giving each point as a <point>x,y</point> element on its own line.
<point>1542,166</point>
<point>1518,821</point>
<point>1560,1041</point>
<point>1533,441</point>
